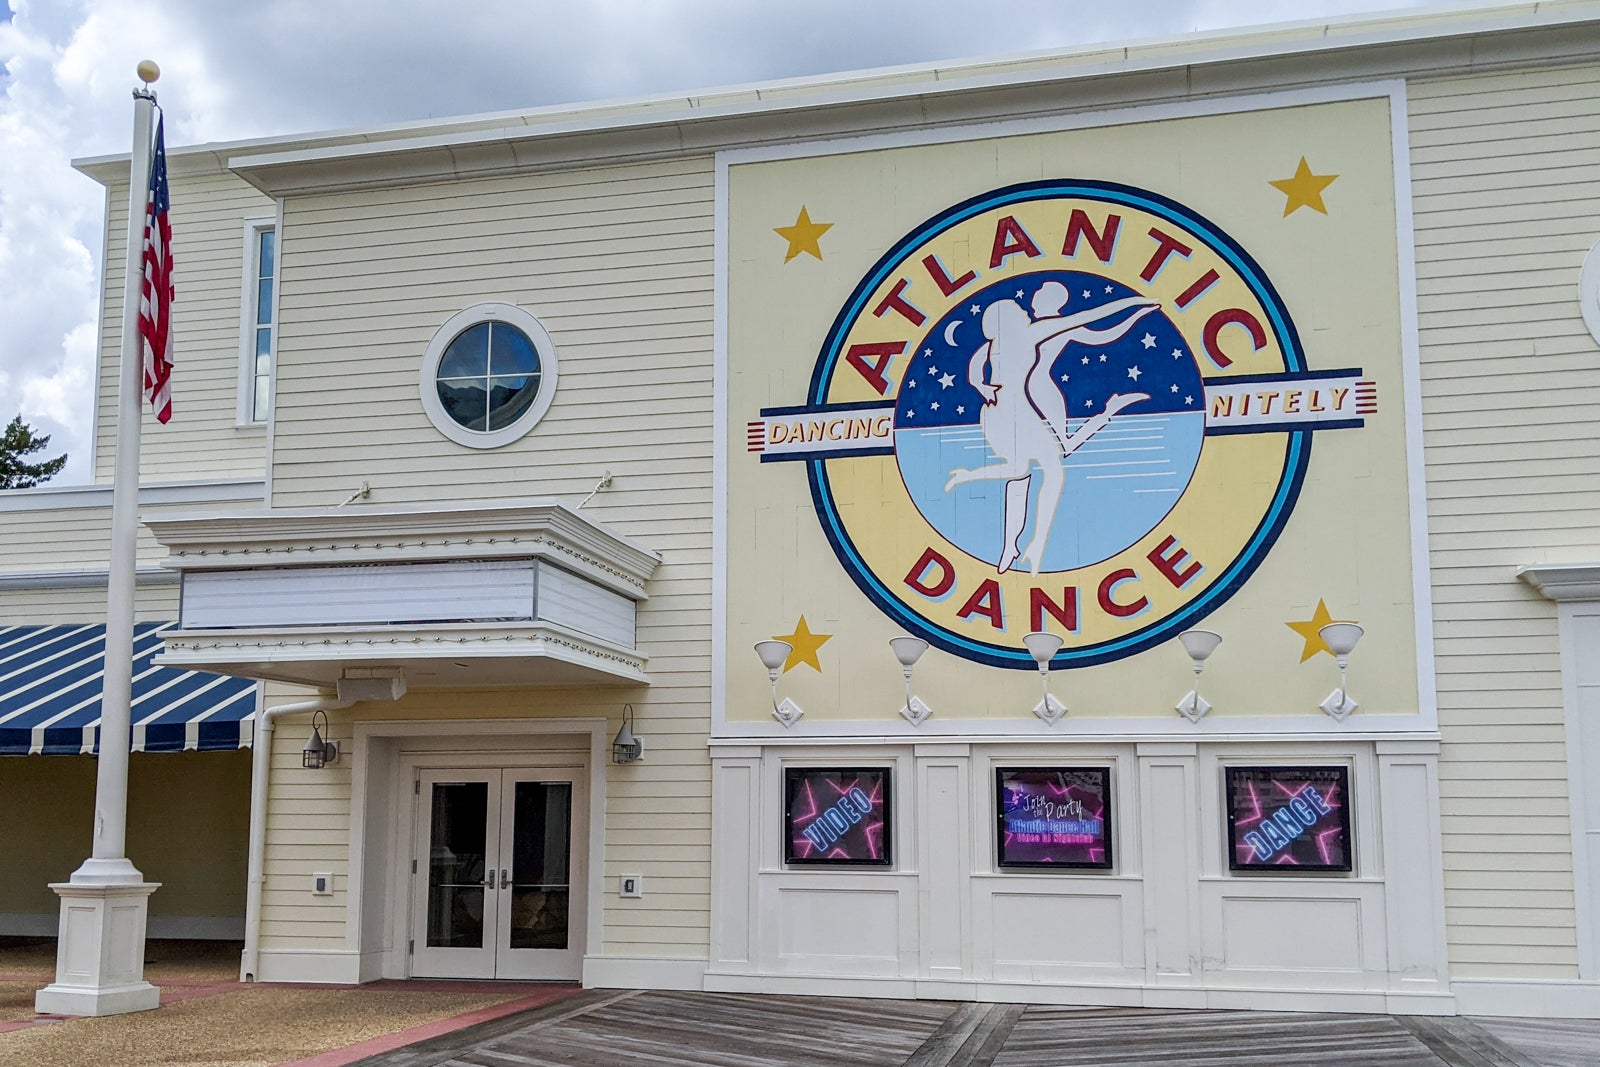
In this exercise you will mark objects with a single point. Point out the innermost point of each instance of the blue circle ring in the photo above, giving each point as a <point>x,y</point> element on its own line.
<point>1297,456</point>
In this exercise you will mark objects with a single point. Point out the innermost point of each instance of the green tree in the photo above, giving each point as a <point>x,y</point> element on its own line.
<point>18,443</point>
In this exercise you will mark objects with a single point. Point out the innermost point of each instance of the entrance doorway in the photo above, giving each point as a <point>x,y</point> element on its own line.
<point>498,887</point>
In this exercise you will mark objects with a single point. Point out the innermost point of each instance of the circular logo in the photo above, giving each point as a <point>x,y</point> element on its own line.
<point>1069,406</point>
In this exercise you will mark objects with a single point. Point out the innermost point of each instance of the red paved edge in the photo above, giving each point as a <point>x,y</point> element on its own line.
<point>338,1057</point>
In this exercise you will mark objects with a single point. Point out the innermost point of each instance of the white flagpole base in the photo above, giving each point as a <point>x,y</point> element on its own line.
<point>100,952</point>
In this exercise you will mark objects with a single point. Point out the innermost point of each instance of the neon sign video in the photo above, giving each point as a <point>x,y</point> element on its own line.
<point>1289,819</point>
<point>1053,817</point>
<point>837,816</point>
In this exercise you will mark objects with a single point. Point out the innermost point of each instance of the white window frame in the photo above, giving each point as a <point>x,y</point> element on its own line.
<point>249,274</point>
<point>491,311</point>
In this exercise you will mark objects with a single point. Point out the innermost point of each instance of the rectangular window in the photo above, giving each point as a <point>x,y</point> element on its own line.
<point>259,315</point>
<point>1053,817</point>
<point>1288,819</point>
<point>838,815</point>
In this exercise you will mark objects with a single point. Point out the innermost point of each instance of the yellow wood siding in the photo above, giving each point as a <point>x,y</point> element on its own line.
<point>208,248</point>
<point>617,264</point>
<point>1506,206</point>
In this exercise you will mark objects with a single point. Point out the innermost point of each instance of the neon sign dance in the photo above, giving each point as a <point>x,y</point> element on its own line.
<point>1288,818</point>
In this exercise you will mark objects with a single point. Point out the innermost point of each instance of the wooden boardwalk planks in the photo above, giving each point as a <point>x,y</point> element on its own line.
<point>602,1028</point>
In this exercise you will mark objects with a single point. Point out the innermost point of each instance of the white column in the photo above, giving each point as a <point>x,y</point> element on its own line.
<point>100,944</point>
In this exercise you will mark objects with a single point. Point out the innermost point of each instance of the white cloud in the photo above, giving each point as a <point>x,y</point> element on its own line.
<point>282,66</point>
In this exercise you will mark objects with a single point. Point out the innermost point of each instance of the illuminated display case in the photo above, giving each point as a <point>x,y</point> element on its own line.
<point>1053,817</point>
<point>838,816</point>
<point>1289,819</point>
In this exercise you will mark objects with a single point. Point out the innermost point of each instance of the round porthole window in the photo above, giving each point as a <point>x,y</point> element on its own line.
<point>488,376</point>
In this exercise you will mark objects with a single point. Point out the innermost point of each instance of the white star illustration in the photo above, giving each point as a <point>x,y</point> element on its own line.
<point>961,409</point>
<point>976,309</point>
<point>1174,387</point>
<point>1102,357</point>
<point>1066,377</point>
<point>1149,340</point>
<point>1134,372</point>
<point>1019,294</point>
<point>1088,403</point>
<point>927,351</point>
<point>1085,361</point>
<point>1177,353</point>
<point>934,405</point>
<point>1086,294</point>
<point>913,383</point>
<point>1188,400</point>
<point>947,380</point>
<point>1108,288</point>
<point>911,414</point>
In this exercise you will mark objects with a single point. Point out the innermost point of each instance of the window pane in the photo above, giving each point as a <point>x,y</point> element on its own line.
<point>510,351</point>
<point>264,300</point>
<point>542,846</point>
<point>468,354</point>
<point>268,253</point>
<point>509,398</point>
<point>263,390</point>
<point>263,341</point>
<point>456,872</point>
<point>466,401</point>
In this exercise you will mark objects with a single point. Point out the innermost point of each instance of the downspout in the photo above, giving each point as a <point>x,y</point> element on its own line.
<point>261,766</point>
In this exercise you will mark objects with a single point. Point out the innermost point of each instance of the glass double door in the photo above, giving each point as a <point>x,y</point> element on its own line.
<point>498,888</point>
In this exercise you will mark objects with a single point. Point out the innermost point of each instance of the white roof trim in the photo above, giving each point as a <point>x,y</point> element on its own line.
<point>1268,41</point>
<point>57,497</point>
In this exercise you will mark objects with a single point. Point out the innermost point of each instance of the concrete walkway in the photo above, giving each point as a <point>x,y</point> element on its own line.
<point>601,1028</point>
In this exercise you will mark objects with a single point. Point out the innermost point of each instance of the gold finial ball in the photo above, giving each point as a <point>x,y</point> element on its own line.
<point>147,71</point>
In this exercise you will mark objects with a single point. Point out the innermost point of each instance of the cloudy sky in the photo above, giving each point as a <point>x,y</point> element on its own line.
<point>236,70</point>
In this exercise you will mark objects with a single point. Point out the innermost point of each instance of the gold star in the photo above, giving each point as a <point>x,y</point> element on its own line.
<point>1308,630</point>
<point>805,645</point>
<point>1304,189</point>
<point>803,235</point>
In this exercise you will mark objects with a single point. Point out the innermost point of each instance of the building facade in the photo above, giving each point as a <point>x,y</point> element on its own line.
<point>1107,380</point>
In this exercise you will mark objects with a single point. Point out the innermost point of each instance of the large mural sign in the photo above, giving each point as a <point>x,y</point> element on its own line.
<point>1109,382</point>
<point>1074,451</point>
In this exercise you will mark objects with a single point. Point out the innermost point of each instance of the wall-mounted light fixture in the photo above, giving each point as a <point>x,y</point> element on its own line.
<point>1341,638</point>
<point>1043,646</point>
<point>1199,644</point>
<point>319,753</point>
<point>774,654</point>
<point>908,650</point>
<point>627,748</point>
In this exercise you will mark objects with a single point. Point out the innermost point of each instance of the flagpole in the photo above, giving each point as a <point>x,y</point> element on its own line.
<point>100,941</point>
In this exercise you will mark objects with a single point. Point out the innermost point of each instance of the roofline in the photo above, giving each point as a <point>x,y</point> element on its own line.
<point>1264,42</point>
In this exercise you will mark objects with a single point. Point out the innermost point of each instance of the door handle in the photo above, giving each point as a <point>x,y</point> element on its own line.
<point>505,878</point>
<point>489,881</point>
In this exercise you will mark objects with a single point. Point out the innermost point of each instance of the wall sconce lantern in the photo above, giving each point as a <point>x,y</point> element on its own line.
<point>1043,646</point>
<point>319,753</point>
<point>773,655</point>
<point>908,650</point>
<point>1341,638</point>
<point>1199,644</point>
<point>627,748</point>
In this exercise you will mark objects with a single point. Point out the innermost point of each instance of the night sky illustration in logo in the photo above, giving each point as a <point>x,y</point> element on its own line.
<point>1289,817</point>
<point>1053,817</point>
<point>1068,405</point>
<point>837,816</point>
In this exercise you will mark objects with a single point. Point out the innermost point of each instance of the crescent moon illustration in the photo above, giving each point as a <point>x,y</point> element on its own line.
<point>950,333</point>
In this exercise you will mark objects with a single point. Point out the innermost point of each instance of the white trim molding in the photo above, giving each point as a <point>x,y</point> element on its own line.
<point>644,972</point>
<point>1563,581</point>
<point>1528,997</point>
<point>65,497</point>
<point>249,278</point>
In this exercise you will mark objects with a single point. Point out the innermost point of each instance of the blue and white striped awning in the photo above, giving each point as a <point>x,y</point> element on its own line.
<point>50,679</point>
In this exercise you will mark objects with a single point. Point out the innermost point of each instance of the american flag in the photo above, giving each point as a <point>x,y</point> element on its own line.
<point>155,306</point>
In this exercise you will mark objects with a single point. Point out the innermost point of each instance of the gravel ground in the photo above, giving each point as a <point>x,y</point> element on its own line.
<point>250,1026</point>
